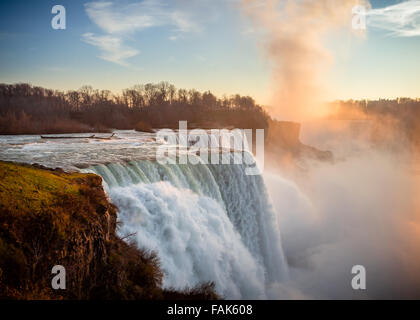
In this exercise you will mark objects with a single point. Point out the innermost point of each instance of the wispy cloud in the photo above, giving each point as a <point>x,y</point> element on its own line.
<point>112,48</point>
<point>401,20</point>
<point>183,22</point>
<point>119,22</point>
<point>118,19</point>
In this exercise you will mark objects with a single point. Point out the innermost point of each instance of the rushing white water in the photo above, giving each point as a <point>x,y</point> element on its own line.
<point>206,223</point>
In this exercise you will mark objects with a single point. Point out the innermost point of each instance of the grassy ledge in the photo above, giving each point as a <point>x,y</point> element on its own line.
<point>49,217</point>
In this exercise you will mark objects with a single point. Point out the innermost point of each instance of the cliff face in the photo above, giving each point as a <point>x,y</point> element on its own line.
<point>49,217</point>
<point>284,134</point>
<point>283,141</point>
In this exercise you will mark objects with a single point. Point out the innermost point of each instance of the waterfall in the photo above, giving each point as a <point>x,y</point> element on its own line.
<point>205,222</point>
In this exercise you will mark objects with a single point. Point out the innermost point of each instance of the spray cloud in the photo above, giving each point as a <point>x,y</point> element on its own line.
<point>293,35</point>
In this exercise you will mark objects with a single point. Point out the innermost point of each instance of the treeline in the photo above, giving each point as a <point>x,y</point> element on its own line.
<point>27,109</point>
<point>403,108</point>
<point>389,116</point>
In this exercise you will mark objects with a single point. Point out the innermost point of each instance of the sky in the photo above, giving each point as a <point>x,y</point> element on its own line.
<point>201,44</point>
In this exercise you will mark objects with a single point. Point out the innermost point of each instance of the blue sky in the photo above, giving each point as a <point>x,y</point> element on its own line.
<point>200,44</point>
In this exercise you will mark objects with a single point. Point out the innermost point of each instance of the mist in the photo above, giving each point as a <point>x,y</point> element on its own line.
<point>363,209</point>
<point>360,209</point>
<point>293,35</point>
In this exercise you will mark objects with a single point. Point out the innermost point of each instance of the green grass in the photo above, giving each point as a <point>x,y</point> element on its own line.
<point>31,189</point>
<point>49,217</point>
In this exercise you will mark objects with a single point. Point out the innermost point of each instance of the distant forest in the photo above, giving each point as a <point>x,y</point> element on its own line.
<point>27,109</point>
<point>403,108</point>
<point>401,115</point>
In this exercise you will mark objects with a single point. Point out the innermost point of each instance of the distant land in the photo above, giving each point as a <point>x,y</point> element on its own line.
<point>28,109</point>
